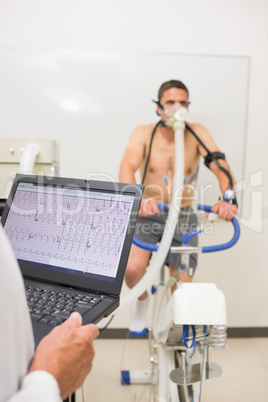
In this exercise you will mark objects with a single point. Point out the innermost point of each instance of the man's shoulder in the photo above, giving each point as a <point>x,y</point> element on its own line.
<point>199,129</point>
<point>144,130</point>
<point>197,126</point>
<point>204,135</point>
<point>146,127</point>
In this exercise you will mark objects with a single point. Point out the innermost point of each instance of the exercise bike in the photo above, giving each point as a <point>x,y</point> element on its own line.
<point>185,327</point>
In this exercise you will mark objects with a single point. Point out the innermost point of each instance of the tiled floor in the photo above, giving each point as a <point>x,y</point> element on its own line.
<point>244,378</point>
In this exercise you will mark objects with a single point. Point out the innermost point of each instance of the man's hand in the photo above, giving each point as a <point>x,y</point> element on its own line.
<point>67,353</point>
<point>224,210</point>
<point>148,207</point>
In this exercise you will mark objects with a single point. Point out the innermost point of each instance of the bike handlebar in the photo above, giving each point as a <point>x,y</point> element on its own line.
<point>206,249</point>
<point>224,246</point>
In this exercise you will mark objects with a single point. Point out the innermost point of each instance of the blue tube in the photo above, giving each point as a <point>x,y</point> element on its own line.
<point>224,246</point>
<point>187,236</point>
<point>144,245</point>
<point>203,207</point>
<point>162,206</point>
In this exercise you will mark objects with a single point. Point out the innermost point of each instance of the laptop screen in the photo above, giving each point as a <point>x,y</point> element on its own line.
<point>71,229</point>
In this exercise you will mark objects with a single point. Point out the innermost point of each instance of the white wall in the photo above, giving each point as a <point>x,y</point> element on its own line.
<point>194,27</point>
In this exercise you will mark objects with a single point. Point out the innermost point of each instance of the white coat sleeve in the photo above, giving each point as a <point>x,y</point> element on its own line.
<point>16,338</point>
<point>38,386</point>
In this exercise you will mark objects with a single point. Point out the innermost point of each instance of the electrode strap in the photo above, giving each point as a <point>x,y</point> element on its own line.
<point>213,156</point>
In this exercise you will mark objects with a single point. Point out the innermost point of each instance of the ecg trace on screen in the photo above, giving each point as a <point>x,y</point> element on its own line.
<point>85,234</point>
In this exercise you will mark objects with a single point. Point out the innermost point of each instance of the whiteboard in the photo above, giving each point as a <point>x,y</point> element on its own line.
<point>91,101</point>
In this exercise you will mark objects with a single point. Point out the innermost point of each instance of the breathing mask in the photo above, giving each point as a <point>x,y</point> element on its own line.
<point>176,115</point>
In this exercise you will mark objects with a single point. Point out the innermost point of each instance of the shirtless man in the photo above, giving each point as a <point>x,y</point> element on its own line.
<point>161,165</point>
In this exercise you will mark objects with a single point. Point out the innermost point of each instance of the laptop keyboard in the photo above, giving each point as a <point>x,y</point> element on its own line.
<point>53,307</point>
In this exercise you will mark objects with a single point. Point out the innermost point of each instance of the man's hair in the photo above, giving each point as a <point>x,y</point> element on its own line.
<point>171,84</point>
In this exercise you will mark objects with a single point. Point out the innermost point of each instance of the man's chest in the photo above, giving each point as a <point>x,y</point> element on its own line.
<point>162,156</point>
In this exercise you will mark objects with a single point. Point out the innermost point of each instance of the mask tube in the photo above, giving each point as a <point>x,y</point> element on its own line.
<point>28,157</point>
<point>147,280</point>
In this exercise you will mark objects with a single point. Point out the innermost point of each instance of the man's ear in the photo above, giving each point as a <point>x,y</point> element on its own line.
<point>158,110</point>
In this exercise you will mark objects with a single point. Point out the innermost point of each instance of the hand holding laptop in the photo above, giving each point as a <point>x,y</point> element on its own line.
<point>67,353</point>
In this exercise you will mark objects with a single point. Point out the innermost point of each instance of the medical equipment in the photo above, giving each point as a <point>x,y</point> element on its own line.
<point>193,320</point>
<point>190,322</point>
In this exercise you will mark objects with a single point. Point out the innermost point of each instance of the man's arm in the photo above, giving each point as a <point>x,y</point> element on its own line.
<point>222,208</point>
<point>131,162</point>
<point>133,156</point>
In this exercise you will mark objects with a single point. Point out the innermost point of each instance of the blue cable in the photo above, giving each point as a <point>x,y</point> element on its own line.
<point>193,352</point>
<point>192,393</point>
<point>185,334</point>
<point>203,361</point>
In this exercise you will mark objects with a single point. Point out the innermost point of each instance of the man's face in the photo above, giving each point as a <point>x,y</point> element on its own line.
<point>170,97</point>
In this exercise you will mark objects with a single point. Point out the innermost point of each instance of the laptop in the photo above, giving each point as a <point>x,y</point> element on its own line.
<point>72,239</point>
